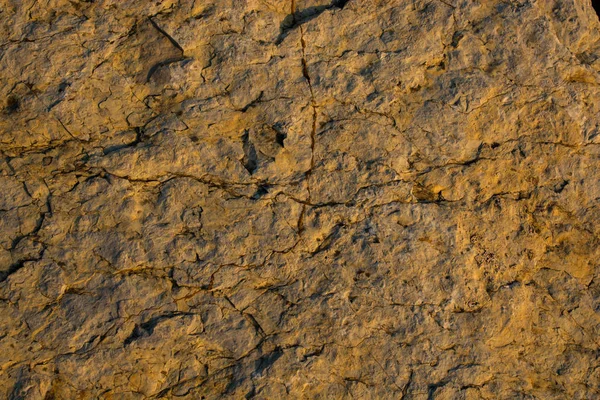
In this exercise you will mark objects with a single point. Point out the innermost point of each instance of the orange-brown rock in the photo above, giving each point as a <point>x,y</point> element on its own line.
<point>371,199</point>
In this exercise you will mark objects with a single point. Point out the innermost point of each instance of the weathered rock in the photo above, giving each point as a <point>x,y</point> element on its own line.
<point>299,199</point>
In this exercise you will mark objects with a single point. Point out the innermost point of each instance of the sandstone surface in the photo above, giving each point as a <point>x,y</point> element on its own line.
<point>268,199</point>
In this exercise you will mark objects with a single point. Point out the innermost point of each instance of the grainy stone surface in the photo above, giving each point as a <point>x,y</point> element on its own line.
<point>299,199</point>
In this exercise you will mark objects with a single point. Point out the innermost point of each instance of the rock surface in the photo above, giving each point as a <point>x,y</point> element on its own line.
<point>299,199</point>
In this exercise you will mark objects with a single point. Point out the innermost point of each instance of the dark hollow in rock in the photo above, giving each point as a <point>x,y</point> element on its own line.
<point>596,5</point>
<point>12,104</point>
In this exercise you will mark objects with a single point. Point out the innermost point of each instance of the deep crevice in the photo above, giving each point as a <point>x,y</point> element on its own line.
<point>4,275</point>
<point>250,160</point>
<point>299,17</point>
<point>596,5</point>
<point>280,138</point>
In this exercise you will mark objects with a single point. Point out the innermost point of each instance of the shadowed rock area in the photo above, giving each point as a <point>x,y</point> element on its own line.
<point>260,199</point>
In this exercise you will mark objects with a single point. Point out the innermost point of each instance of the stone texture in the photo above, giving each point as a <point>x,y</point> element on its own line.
<point>299,199</point>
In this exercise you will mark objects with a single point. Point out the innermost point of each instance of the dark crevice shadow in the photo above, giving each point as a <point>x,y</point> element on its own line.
<point>169,61</point>
<point>340,3</point>
<point>250,160</point>
<point>165,34</point>
<point>596,5</point>
<point>297,18</point>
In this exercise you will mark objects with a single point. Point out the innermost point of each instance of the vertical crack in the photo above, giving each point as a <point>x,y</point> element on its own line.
<point>313,105</point>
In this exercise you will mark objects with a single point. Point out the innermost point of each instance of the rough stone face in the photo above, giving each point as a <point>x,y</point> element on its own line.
<point>299,199</point>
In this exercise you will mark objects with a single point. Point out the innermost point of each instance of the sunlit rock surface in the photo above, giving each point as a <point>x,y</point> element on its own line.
<point>370,199</point>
